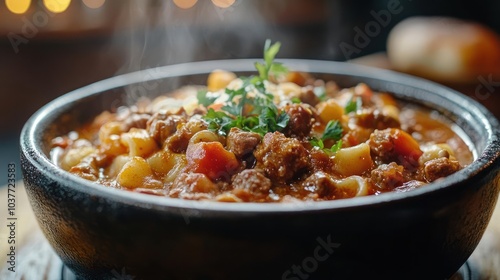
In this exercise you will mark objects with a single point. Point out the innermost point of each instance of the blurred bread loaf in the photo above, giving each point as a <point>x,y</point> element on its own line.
<point>444,49</point>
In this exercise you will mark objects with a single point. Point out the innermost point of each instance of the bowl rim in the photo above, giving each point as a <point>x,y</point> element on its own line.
<point>33,153</point>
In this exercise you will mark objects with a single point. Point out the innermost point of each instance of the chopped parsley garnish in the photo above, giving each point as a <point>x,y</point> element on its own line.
<point>219,121</point>
<point>257,112</point>
<point>237,101</point>
<point>270,66</point>
<point>271,120</point>
<point>336,147</point>
<point>296,100</point>
<point>353,105</point>
<point>315,142</point>
<point>333,131</point>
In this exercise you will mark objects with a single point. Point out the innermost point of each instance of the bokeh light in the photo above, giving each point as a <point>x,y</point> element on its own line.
<point>185,4</point>
<point>18,6</point>
<point>223,3</point>
<point>94,4</point>
<point>56,6</point>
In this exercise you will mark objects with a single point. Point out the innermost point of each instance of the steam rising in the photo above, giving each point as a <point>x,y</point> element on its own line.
<point>157,33</point>
<point>160,33</point>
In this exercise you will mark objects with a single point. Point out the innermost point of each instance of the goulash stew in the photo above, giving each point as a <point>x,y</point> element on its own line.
<point>275,137</point>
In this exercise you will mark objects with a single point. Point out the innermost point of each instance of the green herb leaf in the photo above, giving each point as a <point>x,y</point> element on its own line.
<point>282,121</point>
<point>219,121</point>
<point>250,122</point>
<point>350,106</point>
<point>320,145</point>
<point>336,147</point>
<point>270,51</point>
<point>315,142</point>
<point>264,116</point>
<point>333,131</point>
<point>203,99</point>
<point>271,120</point>
<point>261,68</point>
<point>353,105</point>
<point>296,100</point>
<point>269,66</point>
<point>278,69</point>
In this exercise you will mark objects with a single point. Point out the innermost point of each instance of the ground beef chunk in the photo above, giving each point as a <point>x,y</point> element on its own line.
<point>440,167</point>
<point>242,142</point>
<point>251,185</point>
<point>163,125</point>
<point>320,161</point>
<point>383,148</point>
<point>320,183</point>
<point>86,169</point>
<point>375,119</point>
<point>179,141</point>
<point>308,96</point>
<point>136,120</point>
<point>356,135</point>
<point>386,177</point>
<point>301,120</point>
<point>192,186</point>
<point>282,158</point>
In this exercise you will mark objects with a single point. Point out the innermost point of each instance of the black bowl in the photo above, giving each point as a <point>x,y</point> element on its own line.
<point>103,232</point>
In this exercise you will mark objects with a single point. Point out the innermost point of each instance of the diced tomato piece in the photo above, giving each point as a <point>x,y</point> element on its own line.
<point>211,159</point>
<point>406,147</point>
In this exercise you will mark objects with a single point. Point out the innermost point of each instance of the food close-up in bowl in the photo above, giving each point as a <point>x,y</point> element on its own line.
<point>185,139</point>
<point>357,164</point>
<point>278,136</point>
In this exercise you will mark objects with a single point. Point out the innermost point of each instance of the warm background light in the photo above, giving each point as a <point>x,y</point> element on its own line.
<point>223,3</point>
<point>185,4</point>
<point>94,4</point>
<point>18,6</point>
<point>56,6</point>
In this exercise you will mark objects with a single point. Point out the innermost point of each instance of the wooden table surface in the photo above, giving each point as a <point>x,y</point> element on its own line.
<point>485,259</point>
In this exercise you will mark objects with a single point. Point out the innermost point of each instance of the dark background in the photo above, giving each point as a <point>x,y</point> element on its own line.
<point>62,57</point>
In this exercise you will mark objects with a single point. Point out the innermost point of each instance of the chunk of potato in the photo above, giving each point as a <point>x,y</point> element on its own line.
<point>112,146</point>
<point>329,110</point>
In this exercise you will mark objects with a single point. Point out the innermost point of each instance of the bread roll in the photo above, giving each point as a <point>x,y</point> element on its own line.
<point>444,49</point>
